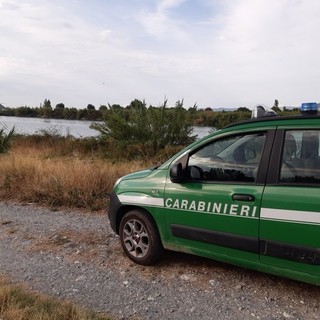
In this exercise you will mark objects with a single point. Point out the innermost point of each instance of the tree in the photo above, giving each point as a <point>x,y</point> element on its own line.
<point>7,112</point>
<point>46,109</point>
<point>47,103</point>
<point>193,110</point>
<point>91,107</point>
<point>60,106</point>
<point>59,111</point>
<point>25,111</point>
<point>136,104</point>
<point>70,113</point>
<point>276,106</point>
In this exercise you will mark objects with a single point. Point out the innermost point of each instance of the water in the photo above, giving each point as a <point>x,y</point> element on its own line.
<point>76,128</point>
<point>202,131</point>
<point>26,126</point>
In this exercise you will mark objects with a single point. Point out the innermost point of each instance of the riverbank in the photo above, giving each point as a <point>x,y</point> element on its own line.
<point>63,127</point>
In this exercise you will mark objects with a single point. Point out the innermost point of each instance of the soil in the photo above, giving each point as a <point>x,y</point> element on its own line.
<point>76,255</point>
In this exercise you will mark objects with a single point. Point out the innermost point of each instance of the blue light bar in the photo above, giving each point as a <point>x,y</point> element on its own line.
<point>309,108</point>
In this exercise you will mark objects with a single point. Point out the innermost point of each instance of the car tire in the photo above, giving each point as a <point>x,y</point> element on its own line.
<point>140,238</point>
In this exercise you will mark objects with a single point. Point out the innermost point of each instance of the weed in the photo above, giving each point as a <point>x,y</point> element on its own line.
<point>17,302</point>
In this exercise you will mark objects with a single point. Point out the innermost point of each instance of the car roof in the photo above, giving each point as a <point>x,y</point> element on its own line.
<point>273,118</point>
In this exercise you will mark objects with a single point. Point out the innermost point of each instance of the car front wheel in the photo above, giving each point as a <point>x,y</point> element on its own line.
<point>140,238</point>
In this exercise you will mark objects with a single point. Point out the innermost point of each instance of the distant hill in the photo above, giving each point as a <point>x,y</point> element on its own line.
<point>2,107</point>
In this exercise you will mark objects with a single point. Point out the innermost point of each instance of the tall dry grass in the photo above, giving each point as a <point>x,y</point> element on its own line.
<point>17,302</point>
<point>39,173</point>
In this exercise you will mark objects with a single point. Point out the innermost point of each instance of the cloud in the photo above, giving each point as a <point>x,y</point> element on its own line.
<point>105,34</point>
<point>231,53</point>
<point>265,50</point>
<point>157,22</point>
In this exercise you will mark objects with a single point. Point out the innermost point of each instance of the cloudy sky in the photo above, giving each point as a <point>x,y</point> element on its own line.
<point>229,53</point>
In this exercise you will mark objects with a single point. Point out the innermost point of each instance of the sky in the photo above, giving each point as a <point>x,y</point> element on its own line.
<point>212,53</point>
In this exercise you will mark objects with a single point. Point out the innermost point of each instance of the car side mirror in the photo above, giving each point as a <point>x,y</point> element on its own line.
<point>250,154</point>
<point>177,173</point>
<point>195,173</point>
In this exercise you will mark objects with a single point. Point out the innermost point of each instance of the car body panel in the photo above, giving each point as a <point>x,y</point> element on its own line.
<point>262,223</point>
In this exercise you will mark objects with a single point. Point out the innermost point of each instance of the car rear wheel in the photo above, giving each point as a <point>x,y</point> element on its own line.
<point>140,238</point>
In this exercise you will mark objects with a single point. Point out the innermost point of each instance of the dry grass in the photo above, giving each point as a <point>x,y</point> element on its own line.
<point>39,173</point>
<point>19,303</point>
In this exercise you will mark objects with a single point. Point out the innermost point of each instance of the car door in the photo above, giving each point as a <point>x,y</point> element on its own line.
<point>214,210</point>
<point>290,208</point>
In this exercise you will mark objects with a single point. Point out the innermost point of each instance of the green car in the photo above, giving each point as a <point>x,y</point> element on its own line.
<point>248,194</point>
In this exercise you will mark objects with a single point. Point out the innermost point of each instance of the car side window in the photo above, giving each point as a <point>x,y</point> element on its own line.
<point>234,158</point>
<point>301,157</point>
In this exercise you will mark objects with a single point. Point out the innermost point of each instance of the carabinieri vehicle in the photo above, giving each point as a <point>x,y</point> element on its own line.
<point>248,194</point>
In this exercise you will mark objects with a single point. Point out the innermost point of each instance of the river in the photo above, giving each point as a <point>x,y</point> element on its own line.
<point>75,128</point>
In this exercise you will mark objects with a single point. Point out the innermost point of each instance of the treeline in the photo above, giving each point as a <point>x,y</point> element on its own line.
<point>197,116</point>
<point>139,129</point>
<point>60,111</point>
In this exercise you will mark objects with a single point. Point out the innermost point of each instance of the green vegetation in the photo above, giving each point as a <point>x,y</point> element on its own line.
<point>196,116</point>
<point>143,132</point>
<point>45,110</point>
<point>63,171</point>
<point>6,139</point>
<point>17,302</point>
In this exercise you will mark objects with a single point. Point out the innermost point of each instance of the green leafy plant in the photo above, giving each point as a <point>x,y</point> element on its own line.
<point>5,139</point>
<point>142,131</point>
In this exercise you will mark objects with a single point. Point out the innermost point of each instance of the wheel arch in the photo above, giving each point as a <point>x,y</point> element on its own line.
<point>126,208</point>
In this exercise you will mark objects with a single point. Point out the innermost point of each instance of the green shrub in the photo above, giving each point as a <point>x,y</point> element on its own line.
<point>142,132</point>
<point>5,139</point>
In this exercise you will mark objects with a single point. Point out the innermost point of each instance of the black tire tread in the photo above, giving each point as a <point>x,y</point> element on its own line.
<point>156,249</point>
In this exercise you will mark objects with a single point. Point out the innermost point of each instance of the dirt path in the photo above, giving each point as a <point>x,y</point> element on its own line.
<point>76,256</point>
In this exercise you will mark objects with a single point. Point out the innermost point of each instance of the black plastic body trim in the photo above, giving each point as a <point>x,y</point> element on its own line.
<point>306,255</point>
<point>276,157</point>
<point>290,252</point>
<point>114,206</point>
<point>265,158</point>
<point>229,240</point>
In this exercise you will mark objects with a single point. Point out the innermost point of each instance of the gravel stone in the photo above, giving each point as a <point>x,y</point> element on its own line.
<point>76,255</point>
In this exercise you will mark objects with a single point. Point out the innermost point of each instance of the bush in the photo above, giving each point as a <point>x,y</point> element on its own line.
<point>5,139</point>
<point>142,132</point>
<point>221,119</point>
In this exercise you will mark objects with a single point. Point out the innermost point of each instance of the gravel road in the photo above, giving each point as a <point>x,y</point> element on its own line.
<point>76,256</point>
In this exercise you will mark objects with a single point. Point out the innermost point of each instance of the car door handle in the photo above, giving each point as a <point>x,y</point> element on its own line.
<point>242,197</point>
